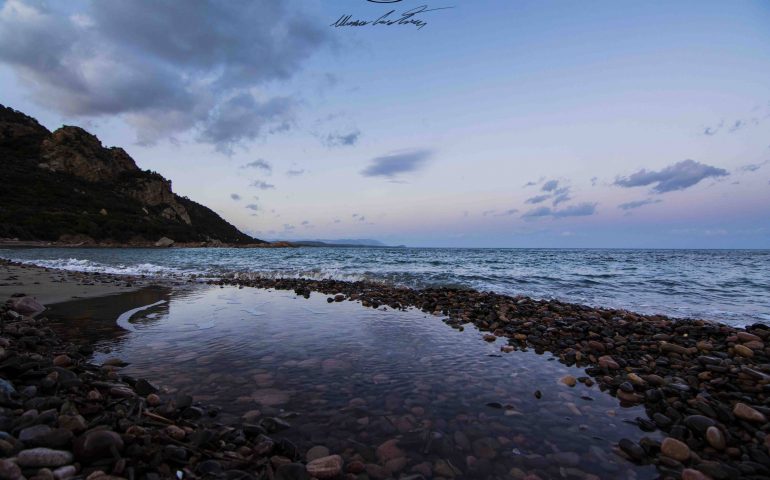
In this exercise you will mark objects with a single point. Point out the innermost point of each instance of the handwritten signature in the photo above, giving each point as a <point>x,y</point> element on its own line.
<point>408,17</point>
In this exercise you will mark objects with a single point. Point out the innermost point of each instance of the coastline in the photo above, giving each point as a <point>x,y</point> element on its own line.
<point>703,384</point>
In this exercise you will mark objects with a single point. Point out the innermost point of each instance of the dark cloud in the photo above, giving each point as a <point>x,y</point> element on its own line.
<point>579,210</point>
<point>394,164</point>
<point>259,163</point>
<point>757,115</point>
<point>244,118</point>
<point>530,184</point>
<point>638,203</point>
<point>342,140</point>
<point>167,67</point>
<point>713,130</point>
<point>538,199</point>
<point>561,195</point>
<point>295,173</point>
<point>262,185</point>
<point>235,196</point>
<point>305,223</point>
<point>253,206</point>
<point>487,212</point>
<point>679,176</point>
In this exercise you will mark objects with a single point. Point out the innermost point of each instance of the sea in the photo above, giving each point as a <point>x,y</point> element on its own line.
<point>729,286</point>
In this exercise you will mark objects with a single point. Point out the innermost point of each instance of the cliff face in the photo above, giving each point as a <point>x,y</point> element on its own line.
<point>65,184</point>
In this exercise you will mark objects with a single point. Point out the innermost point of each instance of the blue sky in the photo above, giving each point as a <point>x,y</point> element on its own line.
<point>498,123</point>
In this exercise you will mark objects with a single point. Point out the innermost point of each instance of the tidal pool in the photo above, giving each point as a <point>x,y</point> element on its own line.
<point>352,378</point>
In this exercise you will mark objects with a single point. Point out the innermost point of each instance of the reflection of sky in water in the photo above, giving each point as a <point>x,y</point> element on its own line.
<point>246,349</point>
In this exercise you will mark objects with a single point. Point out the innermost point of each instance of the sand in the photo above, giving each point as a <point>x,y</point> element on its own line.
<point>54,286</point>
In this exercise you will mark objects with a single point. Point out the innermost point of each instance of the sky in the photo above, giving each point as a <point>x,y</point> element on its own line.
<point>488,124</point>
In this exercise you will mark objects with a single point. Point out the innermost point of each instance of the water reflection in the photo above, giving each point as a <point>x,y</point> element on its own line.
<point>351,378</point>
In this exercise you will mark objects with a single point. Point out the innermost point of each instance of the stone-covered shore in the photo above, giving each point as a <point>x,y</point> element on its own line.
<point>703,384</point>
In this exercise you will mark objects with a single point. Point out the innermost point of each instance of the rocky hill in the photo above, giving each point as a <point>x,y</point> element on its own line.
<point>65,186</point>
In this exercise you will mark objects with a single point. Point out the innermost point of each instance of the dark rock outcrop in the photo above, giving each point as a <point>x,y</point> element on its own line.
<point>65,184</point>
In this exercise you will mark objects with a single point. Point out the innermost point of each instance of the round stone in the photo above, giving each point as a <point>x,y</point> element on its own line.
<point>673,448</point>
<point>325,467</point>
<point>715,438</point>
<point>569,380</point>
<point>745,412</point>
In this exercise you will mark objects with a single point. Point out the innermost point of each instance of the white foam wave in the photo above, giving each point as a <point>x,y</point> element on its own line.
<point>82,265</point>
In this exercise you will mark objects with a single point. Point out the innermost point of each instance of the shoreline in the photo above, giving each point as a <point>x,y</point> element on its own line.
<point>705,385</point>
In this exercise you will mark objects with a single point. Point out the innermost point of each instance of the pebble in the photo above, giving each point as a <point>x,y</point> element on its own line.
<point>325,467</point>
<point>715,438</point>
<point>745,412</point>
<point>43,457</point>
<point>9,470</point>
<point>98,444</point>
<point>692,474</point>
<point>569,380</point>
<point>743,351</point>
<point>389,450</point>
<point>319,451</point>
<point>675,449</point>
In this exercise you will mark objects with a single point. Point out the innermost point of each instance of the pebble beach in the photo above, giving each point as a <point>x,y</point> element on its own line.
<point>652,396</point>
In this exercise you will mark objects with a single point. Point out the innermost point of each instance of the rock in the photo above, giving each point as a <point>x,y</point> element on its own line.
<point>29,434</point>
<point>748,337</point>
<point>62,361</point>
<point>153,400</point>
<point>715,438</point>
<point>43,457</point>
<point>291,471</point>
<point>9,470</point>
<point>743,351</point>
<point>144,388</point>
<point>444,468</point>
<point>97,444</point>
<point>25,305</point>
<point>389,450</point>
<point>175,432</point>
<point>699,423</point>
<point>692,474</point>
<point>745,412</point>
<point>633,450</point>
<point>675,449</point>
<point>636,379</point>
<point>65,472</point>
<point>564,459</point>
<point>164,242</point>
<point>569,380</point>
<point>74,423</point>
<point>325,467</point>
<point>319,451</point>
<point>488,337</point>
<point>377,472</point>
<point>606,361</point>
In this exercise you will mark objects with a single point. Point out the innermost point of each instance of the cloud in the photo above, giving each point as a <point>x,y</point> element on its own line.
<point>530,184</point>
<point>262,185</point>
<point>679,176</point>
<point>166,67</point>
<point>507,213</point>
<point>550,185</point>
<point>235,196</point>
<point>487,212</point>
<point>259,163</point>
<point>294,172</point>
<point>538,199</point>
<point>753,167</point>
<point>253,206</point>
<point>305,223</point>
<point>638,203</point>
<point>391,165</point>
<point>579,210</point>
<point>711,131</point>
<point>342,140</point>
<point>242,117</point>
<point>561,195</point>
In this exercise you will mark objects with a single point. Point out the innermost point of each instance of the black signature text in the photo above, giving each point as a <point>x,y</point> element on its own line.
<point>409,17</point>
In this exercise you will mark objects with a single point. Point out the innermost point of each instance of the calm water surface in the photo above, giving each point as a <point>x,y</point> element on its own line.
<point>350,378</point>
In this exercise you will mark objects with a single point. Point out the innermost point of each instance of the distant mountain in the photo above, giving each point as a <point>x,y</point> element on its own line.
<point>364,242</point>
<point>65,186</point>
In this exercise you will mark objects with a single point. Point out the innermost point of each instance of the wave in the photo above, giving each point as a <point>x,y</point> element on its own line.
<point>90,266</point>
